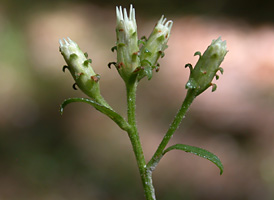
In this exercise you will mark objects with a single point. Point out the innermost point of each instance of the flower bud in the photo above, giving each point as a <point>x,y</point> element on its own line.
<point>80,68</point>
<point>156,43</point>
<point>127,42</point>
<point>207,66</point>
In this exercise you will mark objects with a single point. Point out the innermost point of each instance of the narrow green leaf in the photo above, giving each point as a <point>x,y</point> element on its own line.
<point>118,119</point>
<point>199,152</point>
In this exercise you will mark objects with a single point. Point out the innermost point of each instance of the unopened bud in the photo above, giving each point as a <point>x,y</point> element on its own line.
<point>207,66</point>
<point>80,68</point>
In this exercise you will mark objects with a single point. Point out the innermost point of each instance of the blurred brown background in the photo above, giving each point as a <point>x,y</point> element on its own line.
<point>83,155</point>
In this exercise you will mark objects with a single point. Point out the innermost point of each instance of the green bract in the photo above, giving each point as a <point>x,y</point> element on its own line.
<point>207,66</point>
<point>80,68</point>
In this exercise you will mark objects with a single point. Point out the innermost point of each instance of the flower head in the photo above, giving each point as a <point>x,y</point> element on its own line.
<point>207,66</point>
<point>155,45</point>
<point>80,68</point>
<point>127,42</point>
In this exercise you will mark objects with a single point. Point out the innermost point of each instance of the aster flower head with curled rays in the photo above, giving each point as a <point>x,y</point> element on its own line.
<point>127,42</point>
<point>154,47</point>
<point>157,41</point>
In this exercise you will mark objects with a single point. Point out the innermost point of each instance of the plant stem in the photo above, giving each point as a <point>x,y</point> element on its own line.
<point>173,127</point>
<point>145,174</point>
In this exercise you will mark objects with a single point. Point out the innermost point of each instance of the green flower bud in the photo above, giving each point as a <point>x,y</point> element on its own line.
<point>207,66</point>
<point>155,45</point>
<point>127,42</point>
<point>80,68</point>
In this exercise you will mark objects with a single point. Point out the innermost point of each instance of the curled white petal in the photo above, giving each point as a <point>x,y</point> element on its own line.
<point>169,24</point>
<point>163,27</point>
<point>61,43</point>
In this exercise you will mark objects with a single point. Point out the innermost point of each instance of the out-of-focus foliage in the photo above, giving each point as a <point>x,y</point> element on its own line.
<point>83,155</point>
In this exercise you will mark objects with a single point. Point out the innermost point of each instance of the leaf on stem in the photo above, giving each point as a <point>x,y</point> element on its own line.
<point>199,152</point>
<point>118,119</point>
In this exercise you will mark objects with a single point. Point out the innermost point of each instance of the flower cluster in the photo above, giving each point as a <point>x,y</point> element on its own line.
<point>137,59</point>
<point>133,61</point>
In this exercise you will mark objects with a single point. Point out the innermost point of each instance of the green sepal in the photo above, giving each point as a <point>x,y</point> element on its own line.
<point>65,67</point>
<point>221,70</point>
<point>73,56</point>
<point>214,87</point>
<point>197,53</point>
<point>147,52</point>
<point>199,152</point>
<point>121,44</point>
<point>146,70</point>
<point>141,42</point>
<point>162,54</point>
<point>114,48</point>
<point>118,119</point>
<point>161,38</point>
<point>87,62</point>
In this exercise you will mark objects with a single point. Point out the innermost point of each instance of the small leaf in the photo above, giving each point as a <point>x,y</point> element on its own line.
<point>118,119</point>
<point>199,152</point>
